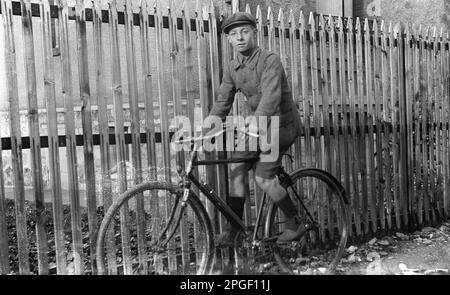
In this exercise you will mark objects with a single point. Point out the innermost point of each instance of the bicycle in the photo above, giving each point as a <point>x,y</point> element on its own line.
<point>326,220</point>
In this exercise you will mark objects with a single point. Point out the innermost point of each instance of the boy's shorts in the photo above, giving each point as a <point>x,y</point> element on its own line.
<point>262,168</point>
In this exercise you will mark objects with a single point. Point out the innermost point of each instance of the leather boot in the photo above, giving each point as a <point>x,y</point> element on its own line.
<point>294,228</point>
<point>227,237</point>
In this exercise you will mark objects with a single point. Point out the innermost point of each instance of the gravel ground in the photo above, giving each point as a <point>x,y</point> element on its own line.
<point>425,252</point>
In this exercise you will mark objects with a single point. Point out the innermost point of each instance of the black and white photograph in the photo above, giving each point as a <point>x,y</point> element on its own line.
<point>225,143</point>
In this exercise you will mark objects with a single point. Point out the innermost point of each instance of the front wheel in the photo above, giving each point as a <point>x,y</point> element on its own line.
<point>320,200</point>
<point>131,236</point>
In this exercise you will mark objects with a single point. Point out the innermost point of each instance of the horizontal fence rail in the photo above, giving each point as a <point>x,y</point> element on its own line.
<point>90,114</point>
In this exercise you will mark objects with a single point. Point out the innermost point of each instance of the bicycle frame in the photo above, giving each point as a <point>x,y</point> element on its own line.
<point>209,192</point>
<point>189,178</point>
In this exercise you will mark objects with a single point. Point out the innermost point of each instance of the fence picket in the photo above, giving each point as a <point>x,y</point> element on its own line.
<point>33,123</point>
<point>378,121</point>
<point>370,102</point>
<point>295,81</point>
<point>440,124</point>
<point>204,92</point>
<point>71,148</point>
<point>344,104</point>
<point>422,139</point>
<point>164,120</point>
<point>386,119</point>
<point>436,129</point>
<point>335,118</point>
<point>4,249</point>
<point>403,165</point>
<point>362,124</point>
<point>105,145</point>
<point>136,159</point>
<point>344,111</point>
<point>354,193</point>
<point>86,121</point>
<point>306,114</point>
<point>121,168</point>
<point>270,30</point>
<point>177,102</point>
<point>328,153</point>
<point>53,151</point>
<point>260,27</point>
<point>4,241</point>
<point>214,42</point>
<point>429,137</point>
<point>190,90</point>
<point>416,124</point>
<point>336,107</point>
<point>409,99</point>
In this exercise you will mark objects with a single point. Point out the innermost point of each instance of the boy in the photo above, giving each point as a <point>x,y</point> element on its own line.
<point>260,76</point>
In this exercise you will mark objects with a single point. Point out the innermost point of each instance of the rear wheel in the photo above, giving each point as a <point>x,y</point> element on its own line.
<point>128,237</point>
<point>324,207</point>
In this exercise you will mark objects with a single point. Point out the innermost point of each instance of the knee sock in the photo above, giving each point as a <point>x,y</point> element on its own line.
<point>237,205</point>
<point>287,206</point>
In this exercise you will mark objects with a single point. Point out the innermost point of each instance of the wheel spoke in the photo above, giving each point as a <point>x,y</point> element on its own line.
<point>321,204</point>
<point>182,243</point>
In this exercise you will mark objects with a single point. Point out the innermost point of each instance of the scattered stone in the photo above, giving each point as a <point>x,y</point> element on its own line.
<point>428,230</point>
<point>384,254</point>
<point>354,258</point>
<point>402,236</point>
<point>426,241</point>
<point>322,269</point>
<point>314,264</point>
<point>373,256</point>
<point>372,242</point>
<point>418,240</point>
<point>384,243</point>
<point>302,261</point>
<point>443,228</point>
<point>352,249</point>
<point>436,271</point>
<point>407,271</point>
<point>417,233</point>
<point>309,271</point>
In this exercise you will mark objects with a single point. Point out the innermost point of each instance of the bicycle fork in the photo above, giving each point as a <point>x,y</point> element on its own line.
<point>160,242</point>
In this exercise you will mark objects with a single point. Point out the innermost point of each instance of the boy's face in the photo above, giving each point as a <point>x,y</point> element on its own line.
<point>243,38</point>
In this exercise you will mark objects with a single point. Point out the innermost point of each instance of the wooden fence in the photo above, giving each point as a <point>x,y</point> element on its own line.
<point>373,98</point>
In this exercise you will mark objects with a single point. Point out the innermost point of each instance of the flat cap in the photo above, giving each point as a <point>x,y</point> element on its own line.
<point>238,18</point>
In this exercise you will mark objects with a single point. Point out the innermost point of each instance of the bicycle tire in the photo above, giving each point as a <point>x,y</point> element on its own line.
<point>202,262</point>
<point>331,217</point>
